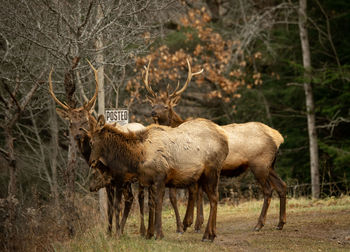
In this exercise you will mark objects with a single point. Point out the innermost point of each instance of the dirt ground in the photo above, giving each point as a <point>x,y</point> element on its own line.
<point>314,230</point>
<point>312,225</point>
<point>310,229</point>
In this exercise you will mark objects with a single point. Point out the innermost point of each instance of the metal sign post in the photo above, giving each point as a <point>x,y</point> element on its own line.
<point>120,116</point>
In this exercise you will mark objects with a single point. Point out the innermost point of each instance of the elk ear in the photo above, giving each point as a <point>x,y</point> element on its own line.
<point>62,113</point>
<point>101,121</point>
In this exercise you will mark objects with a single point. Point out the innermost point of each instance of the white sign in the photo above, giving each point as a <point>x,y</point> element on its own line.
<point>120,116</point>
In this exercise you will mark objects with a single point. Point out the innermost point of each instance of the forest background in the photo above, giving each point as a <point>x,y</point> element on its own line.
<point>253,71</point>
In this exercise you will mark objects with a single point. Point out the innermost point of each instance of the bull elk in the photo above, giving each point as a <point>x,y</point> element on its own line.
<point>79,118</point>
<point>252,145</point>
<point>164,114</point>
<point>159,157</point>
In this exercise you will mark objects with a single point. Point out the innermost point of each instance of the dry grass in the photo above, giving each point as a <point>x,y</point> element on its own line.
<point>312,225</point>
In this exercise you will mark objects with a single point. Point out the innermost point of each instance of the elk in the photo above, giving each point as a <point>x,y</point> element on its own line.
<point>163,114</point>
<point>159,157</point>
<point>79,118</point>
<point>252,145</point>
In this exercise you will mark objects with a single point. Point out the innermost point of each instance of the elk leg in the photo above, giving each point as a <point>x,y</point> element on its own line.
<point>141,198</point>
<point>211,189</point>
<point>160,190</point>
<point>267,191</point>
<point>173,200</point>
<point>151,210</point>
<point>117,206</point>
<point>110,207</point>
<point>200,215</point>
<point>128,199</point>
<point>281,189</point>
<point>188,220</point>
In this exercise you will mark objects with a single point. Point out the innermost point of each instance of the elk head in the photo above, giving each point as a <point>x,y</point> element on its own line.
<point>77,117</point>
<point>99,177</point>
<point>162,105</point>
<point>94,134</point>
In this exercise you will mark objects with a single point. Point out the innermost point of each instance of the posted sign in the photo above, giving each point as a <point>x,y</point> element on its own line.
<point>120,116</point>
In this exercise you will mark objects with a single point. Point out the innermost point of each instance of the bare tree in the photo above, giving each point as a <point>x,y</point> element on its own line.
<point>310,106</point>
<point>14,101</point>
<point>39,34</point>
<point>101,99</point>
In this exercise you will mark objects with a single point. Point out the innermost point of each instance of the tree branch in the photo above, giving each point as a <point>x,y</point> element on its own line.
<point>12,97</point>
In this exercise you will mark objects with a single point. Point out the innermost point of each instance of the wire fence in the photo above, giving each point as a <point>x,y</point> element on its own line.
<point>236,191</point>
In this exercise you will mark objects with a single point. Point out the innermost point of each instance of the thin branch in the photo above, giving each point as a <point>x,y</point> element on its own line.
<point>87,18</point>
<point>12,97</point>
<point>4,152</point>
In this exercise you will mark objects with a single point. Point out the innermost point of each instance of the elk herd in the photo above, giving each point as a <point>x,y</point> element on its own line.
<point>173,153</point>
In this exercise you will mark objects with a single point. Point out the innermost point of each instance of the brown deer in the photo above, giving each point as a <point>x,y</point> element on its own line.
<point>251,145</point>
<point>79,118</point>
<point>160,157</point>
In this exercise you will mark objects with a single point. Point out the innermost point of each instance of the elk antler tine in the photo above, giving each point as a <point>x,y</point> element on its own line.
<point>199,72</point>
<point>145,80</point>
<point>53,95</point>
<point>85,130</point>
<point>93,99</point>
<point>189,77</point>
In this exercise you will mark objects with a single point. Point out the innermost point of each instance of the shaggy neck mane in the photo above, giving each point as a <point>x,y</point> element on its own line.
<point>125,147</point>
<point>174,119</point>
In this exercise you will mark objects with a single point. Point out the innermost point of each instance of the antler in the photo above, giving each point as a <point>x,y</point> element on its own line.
<point>145,80</point>
<point>93,99</point>
<point>189,77</point>
<point>53,95</point>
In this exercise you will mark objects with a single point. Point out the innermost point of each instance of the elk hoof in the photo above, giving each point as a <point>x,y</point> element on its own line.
<point>149,236</point>
<point>258,227</point>
<point>280,226</point>
<point>197,227</point>
<point>180,230</point>
<point>160,236</point>
<point>208,238</point>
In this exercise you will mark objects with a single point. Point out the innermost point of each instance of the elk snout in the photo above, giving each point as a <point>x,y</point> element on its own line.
<point>153,113</point>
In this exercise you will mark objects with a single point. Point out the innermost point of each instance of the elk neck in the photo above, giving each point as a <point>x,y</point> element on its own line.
<point>84,146</point>
<point>125,149</point>
<point>174,119</point>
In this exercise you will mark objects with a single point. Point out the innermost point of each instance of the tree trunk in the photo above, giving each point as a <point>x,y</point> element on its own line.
<point>54,152</point>
<point>101,103</point>
<point>12,190</point>
<point>310,106</point>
